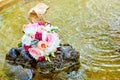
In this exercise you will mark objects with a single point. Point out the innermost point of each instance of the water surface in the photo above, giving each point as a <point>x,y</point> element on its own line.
<point>91,26</point>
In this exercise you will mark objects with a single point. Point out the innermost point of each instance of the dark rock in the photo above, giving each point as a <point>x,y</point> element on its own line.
<point>14,52</point>
<point>65,58</point>
<point>25,55</point>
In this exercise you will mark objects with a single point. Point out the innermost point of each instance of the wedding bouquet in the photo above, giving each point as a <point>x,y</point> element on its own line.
<point>40,40</point>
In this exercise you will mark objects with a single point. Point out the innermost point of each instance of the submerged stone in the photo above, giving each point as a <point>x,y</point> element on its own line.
<point>21,73</point>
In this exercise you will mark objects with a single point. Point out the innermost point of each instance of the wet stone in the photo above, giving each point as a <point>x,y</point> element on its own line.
<point>65,58</point>
<point>21,73</point>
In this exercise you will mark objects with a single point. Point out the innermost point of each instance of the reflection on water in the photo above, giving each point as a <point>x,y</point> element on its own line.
<point>91,26</point>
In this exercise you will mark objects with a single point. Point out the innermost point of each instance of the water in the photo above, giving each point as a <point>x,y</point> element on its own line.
<point>91,26</point>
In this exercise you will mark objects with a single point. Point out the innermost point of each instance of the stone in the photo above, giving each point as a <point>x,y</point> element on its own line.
<point>65,58</point>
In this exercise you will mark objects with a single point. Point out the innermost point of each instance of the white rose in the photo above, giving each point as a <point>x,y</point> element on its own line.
<point>26,40</point>
<point>30,30</point>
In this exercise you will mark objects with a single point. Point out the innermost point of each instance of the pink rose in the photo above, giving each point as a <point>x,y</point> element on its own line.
<point>32,36</point>
<point>40,23</point>
<point>41,58</point>
<point>26,47</point>
<point>42,45</point>
<point>35,52</point>
<point>38,36</point>
<point>49,38</point>
<point>41,29</point>
<point>33,25</point>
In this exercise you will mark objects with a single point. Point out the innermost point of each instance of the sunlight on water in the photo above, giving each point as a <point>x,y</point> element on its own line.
<point>91,26</point>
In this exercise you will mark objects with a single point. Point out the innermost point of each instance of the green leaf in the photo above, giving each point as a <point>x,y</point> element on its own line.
<point>34,42</point>
<point>20,44</point>
<point>47,58</point>
<point>54,30</point>
<point>52,54</point>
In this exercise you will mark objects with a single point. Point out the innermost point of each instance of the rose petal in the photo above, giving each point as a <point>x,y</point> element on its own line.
<point>38,36</point>
<point>32,36</point>
<point>49,38</point>
<point>26,47</point>
<point>41,29</point>
<point>41,23</point>
<point>42,45</point>
<point>34,52</point>
<point>41,58</point>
